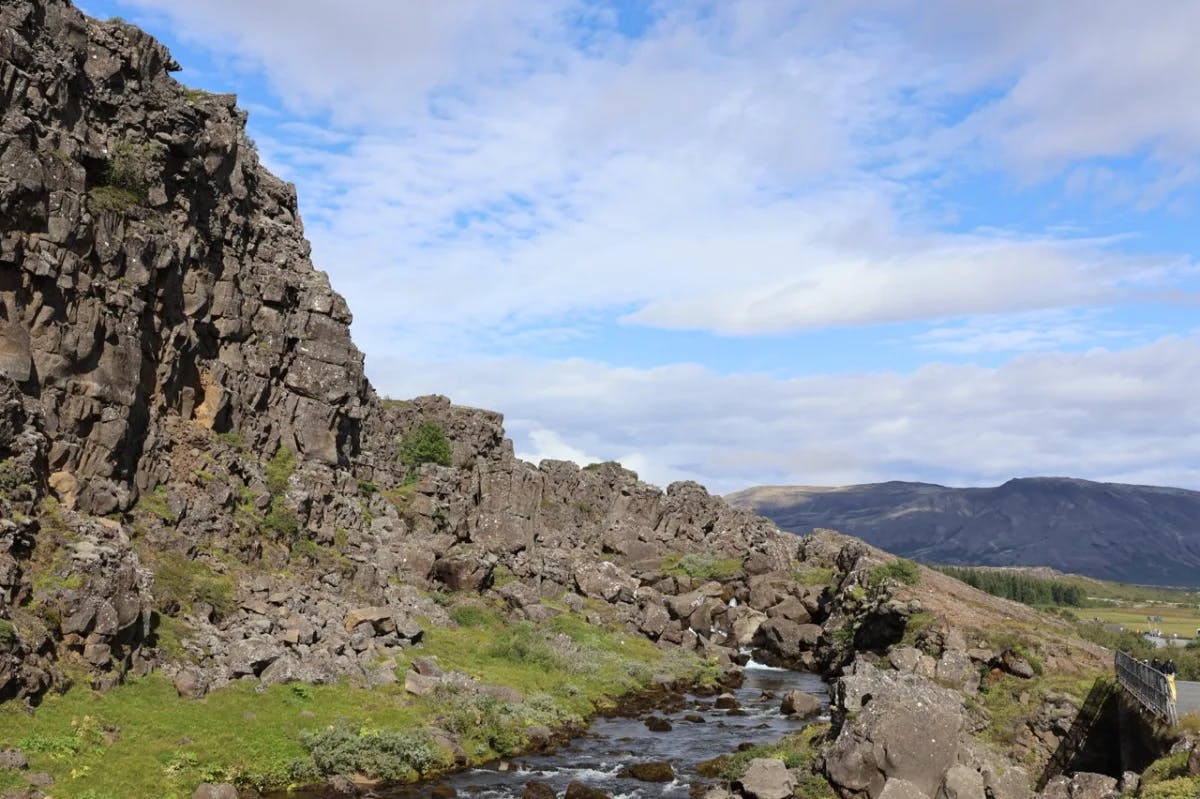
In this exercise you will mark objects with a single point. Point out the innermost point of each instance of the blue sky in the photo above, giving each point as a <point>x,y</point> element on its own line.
<point>751,242</point>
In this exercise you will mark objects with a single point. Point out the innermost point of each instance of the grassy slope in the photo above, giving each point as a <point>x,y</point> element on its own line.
<point>141,740</point>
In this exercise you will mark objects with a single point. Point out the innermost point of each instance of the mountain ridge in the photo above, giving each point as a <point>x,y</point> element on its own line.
<point>1114,531</point>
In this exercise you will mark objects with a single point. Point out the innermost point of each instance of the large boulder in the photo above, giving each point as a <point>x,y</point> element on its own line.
<point>801,704</point>
<point>787,638</point>
<point>766,778</point>
<point>898,726</point>
<point>962,782</point>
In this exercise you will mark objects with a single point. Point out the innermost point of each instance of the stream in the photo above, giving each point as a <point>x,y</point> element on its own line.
<point>596,756</point>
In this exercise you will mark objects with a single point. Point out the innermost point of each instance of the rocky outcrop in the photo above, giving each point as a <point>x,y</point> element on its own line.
<point>902,727</point>
<point>150,269</point>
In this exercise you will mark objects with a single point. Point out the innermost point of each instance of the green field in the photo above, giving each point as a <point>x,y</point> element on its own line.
<point>1180,621</point>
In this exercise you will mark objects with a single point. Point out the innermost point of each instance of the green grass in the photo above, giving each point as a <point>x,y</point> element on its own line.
<point>899,570</point>
<point>142,740</point>
<point>1166,768</point>
<point>702,566</point>
<point>113,198</point>
<point>797,751</point>
<point>178,579</point>
<point>154,503</point>
<point>813,576</point>
<point>1104,593</point>
<point>1181,621</point>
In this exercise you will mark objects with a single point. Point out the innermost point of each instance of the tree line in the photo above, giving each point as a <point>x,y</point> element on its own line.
<point>1020,587</point>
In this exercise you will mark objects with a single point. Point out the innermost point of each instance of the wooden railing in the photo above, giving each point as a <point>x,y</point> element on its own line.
<point>1149,686</point>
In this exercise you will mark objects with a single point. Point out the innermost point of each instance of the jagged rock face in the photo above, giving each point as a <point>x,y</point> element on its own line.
<point>92,584</point>
<point>149,267</point>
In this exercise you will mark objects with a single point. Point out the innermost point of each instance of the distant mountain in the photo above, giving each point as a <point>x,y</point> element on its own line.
<point>1128,533</point>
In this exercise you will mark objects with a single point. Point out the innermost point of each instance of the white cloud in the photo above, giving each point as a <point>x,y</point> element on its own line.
<point>1027,332</point>
<point>549,445</point>
<point>473,172</point>
<point>1125,415</point>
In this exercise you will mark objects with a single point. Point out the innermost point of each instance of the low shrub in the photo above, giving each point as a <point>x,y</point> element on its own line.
<point>426,443</point>
<point>155,503</point>
<point>382,755</point>
<point>1177,788</point>
<point>471,616</point>
<point>703,566</point>
<point>1166,768</point>
<point>186,582</point>
<point>899,570</point>
<point>522,643</point>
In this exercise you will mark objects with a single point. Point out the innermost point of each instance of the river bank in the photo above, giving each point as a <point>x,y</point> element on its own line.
<point>696,731</point>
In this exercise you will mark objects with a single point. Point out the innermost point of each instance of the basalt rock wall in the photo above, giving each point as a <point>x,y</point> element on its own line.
<point>150,268</point>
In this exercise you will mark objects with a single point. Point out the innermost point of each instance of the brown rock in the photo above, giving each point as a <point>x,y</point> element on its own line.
<point>190,684</point>
<point>372,615</point>
<point>657,724</point>
<point>577,790</point>
<point>419,684</point>
<point>535,789</point>
<point>654,771</point>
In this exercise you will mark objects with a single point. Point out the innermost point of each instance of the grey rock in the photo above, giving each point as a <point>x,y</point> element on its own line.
<point>190,683</point>
<point>901,789</point>
<point>210,790</point>
<point>13,759</point>
<point>420,685</point>
<point>765,778</point>
<point>799,703</point>
<point>905,728</point>
<point>962,782</point>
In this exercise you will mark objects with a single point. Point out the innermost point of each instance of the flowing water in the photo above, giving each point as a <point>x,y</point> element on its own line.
<point>598,755</point>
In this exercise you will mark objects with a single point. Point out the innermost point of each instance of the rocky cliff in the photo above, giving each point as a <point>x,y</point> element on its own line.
<point>1135,534</point>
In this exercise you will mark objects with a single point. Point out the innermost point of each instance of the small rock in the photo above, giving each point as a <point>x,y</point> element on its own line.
<point>577,790</point>
<point>1016,665</point>
<point>190,684</point>
<point>799,703</point>
<point>419,684</point>
<point>361,615</point>
<point>13,759</point>
<point>535,789</point>
<point>443,792</point>
<point>657,724</point>
<point>896,788</point>
<point>654,771</point>
<point>426,667</point>
<point>40,779</point>
<point>726,702</point>
<point>961,782</point>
